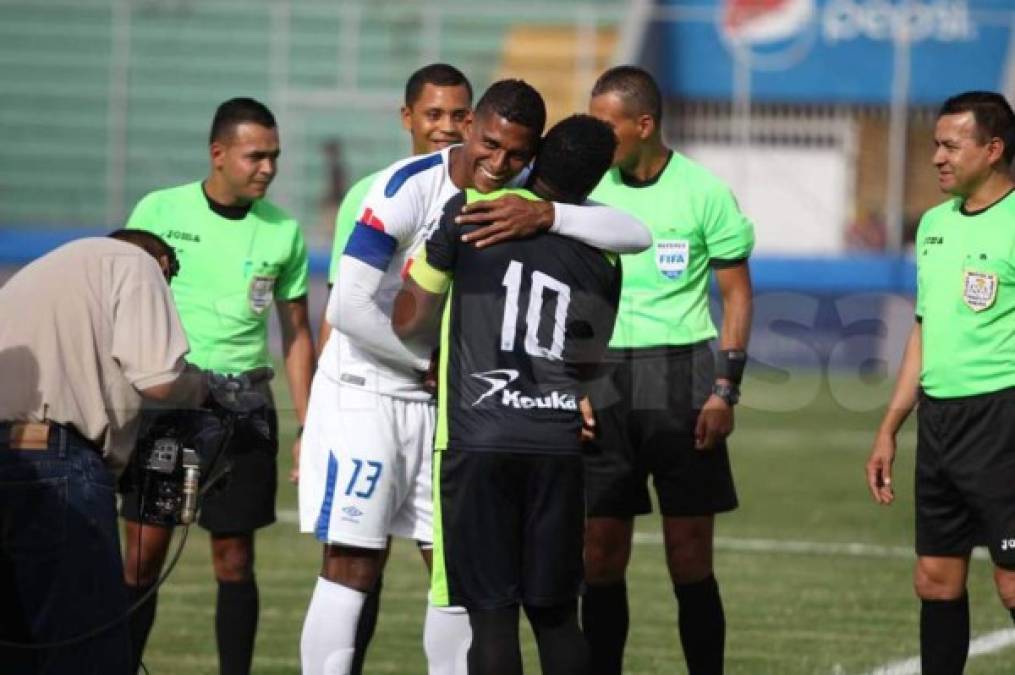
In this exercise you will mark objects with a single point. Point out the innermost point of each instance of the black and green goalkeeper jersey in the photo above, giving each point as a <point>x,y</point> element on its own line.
<point>526,322</point>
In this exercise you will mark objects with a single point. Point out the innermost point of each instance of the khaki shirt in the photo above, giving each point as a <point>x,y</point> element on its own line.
<point>82,329</point>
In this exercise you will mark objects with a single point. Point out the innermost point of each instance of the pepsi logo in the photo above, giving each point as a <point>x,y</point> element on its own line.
<point>765,21</point>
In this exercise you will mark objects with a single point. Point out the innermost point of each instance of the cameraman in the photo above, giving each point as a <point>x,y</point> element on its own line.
<point>87,331</point>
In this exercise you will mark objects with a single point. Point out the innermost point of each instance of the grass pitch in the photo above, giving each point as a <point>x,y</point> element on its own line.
<point>795,602</point>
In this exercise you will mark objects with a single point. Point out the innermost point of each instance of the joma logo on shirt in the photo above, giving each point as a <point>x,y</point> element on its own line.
<point>185,236</point>
<point>933,240</point>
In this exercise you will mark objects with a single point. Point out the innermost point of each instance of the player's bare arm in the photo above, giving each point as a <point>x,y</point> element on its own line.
<point>882,456</point>
<point>417,311</point>
<point>715,421</point>
<point>298,351</point>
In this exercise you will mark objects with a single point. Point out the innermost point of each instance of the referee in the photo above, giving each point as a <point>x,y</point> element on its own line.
<point>239,255</point>
<point>668,406</point>
<point>959,365</point>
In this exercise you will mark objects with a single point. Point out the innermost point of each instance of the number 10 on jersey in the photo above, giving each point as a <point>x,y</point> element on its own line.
<point>538,284</point>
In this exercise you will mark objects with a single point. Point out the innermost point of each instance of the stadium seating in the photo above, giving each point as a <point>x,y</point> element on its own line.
<point>107,99</point>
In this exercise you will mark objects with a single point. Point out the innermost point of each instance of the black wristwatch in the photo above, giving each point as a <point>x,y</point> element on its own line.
<point>727,392</point>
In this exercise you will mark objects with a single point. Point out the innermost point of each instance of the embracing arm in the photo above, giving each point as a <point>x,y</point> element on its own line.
<point>602,227</point>
<point>512,217</point>
<point>353,310</point>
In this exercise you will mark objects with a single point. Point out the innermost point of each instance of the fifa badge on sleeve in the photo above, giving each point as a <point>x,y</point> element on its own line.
<point>261,292</point>
<point>979,290</point>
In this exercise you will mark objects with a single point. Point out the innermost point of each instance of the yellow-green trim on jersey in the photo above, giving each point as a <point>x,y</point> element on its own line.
<point>345,220</point>
<point>231,272</point>
<point>430,279</point>
<point>694,221</point>
<point>440,595</point>
<point>472,195</point>
<point>965,298</point>
<point>441,434</point>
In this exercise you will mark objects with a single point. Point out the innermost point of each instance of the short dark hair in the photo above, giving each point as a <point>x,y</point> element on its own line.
<point>636,88</point>
<point>516,101</point>
<point>993,116</point>
<point>152,244</point>
<point>573,157</point>
<point>238,111</point>
<point>437,74</point>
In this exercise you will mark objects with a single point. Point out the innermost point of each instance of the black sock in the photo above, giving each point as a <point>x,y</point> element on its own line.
<point>236,625</point>
<point>366,625</point>
<point>605,622</point>
<point>562,648</point>
<point>702,626</point>
<point>944,636</point>
<point>140,622</point>
<point>494,649</point>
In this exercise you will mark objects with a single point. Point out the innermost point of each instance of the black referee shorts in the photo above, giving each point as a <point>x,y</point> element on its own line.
<point>510,528</point>
<point>245,501</point>
<point>646,410</point>
<point>965,476</point>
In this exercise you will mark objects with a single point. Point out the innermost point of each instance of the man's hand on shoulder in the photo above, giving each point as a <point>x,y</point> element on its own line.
<point>507,217</point>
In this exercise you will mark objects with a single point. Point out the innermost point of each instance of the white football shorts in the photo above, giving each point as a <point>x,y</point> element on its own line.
<point>365,466</point>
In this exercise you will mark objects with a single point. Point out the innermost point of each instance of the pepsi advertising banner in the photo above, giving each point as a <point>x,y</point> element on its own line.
<point>831,51</point>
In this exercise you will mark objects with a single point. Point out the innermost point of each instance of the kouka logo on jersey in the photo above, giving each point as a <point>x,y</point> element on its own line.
<point>512,398</point>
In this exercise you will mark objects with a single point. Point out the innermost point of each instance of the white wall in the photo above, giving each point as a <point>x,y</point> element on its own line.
<point>798,197</point>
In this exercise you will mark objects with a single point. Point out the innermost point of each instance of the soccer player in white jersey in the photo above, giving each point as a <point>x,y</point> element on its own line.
<point>365,464</point>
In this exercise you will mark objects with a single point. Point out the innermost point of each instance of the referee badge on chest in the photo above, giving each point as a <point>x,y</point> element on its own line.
<point>261,292</point>
<point>979,290</point>
<point>672,256</point>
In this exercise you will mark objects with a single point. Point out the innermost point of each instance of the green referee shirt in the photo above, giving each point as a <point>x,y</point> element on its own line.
<point>230,272</point>
<point>965,298</point>
<point>348,211</point>
<point>695,224</point>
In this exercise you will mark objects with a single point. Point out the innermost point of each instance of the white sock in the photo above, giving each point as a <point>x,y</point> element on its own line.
<point>446,639</point>
<point>328,642</point>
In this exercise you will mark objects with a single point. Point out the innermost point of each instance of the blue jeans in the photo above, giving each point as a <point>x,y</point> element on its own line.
<point>60,569</point>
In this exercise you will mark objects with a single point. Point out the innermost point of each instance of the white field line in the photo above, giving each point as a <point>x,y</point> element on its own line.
<point>751,545</point>
<point>985,644</point>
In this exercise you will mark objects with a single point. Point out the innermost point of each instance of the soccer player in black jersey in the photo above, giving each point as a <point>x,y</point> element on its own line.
<point>526,325</point>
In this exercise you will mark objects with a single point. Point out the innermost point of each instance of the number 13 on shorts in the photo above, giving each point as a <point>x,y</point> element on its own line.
<point>363,483</point>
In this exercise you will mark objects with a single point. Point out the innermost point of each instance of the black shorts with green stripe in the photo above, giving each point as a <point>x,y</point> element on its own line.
<point>965,476</point>
<point>508,528</point>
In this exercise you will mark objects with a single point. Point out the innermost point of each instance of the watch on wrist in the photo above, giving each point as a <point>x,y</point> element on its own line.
<point>727,392</point>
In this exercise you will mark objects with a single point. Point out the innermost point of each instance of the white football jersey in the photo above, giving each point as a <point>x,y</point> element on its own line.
<point>402,206</point>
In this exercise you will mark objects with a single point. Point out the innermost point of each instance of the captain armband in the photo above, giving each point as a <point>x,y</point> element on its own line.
<point>729,364</point>
<point>429,278</point>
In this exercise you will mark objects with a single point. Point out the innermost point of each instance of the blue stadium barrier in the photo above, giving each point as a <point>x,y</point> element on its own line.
<point>855,273</point>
